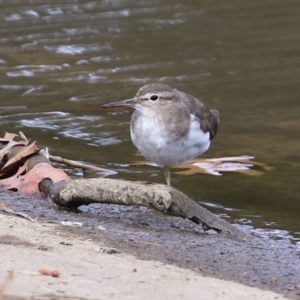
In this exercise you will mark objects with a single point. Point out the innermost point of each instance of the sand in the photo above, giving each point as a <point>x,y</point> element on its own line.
<point>88,271</point>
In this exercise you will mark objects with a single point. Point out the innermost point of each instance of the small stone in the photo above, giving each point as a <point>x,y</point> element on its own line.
<point>66,244</point>
<point>44,248</point>
<point>45,271</point>
<point>55,273</point>
<point>49,272</point>
<point>109,251</point>
<point>274,280</point>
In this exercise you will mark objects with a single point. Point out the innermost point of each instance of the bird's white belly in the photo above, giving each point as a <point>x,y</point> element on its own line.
<point>152,141</point>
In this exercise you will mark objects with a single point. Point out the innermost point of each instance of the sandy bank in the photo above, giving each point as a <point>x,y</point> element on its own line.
<point>90,273</point>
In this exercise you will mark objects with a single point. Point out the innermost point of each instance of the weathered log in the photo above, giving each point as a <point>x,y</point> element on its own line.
<point>163,198</point>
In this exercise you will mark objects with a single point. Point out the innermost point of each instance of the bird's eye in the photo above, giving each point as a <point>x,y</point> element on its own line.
<point>154,97</point>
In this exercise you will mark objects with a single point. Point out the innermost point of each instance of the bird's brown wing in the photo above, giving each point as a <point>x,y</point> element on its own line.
<point>208,119</point>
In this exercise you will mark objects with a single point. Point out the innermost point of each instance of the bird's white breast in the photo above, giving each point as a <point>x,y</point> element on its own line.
<point>150,136</point>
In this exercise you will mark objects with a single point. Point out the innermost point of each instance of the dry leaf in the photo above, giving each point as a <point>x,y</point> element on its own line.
<point>15,167</point>
<point>9,140</point>
<point>8,181</point>
<point>29,183</point>
<point>22,136</point>
<point>28,150</point>
<point>7,148</point>
<point>9,136</point>
<point>216,166</point>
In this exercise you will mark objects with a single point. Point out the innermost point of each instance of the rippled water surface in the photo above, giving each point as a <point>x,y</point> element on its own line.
<point>61,60</point>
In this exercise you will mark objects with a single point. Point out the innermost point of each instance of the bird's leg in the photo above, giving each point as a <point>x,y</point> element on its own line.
<point>167,175</point>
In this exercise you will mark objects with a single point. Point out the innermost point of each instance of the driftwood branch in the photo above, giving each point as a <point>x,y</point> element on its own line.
<point>16,157</point>
<point>163,198</point>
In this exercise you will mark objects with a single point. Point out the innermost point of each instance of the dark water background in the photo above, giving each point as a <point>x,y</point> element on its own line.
<point>61,60</point>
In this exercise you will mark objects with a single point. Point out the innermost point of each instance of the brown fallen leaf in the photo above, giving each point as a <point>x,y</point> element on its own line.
<point>8,181</point>
<point>10,136</point>
<point>23,136</point>
<point>28,150</point>
<point>29,183</point>
<point>217,166</point>
<point>8,139</point>
<point>7,148</point>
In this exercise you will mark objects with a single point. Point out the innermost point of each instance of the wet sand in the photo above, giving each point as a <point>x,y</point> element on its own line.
<point>116,252</point>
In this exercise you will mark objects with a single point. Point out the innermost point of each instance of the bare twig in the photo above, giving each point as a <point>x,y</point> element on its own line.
<point>77,164</point>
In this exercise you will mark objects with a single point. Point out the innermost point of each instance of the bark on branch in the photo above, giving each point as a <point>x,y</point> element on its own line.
<point>163,198</point>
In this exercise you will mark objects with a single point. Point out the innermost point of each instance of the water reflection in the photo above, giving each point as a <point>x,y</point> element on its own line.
<point>59,62</point>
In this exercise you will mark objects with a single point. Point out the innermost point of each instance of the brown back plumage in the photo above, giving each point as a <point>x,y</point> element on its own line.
<point>209,119</point>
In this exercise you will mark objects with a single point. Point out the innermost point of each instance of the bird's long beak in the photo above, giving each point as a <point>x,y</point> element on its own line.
<point>126,103</point>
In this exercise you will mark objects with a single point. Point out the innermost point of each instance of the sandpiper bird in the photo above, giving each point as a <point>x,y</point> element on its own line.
<point>168,126</point>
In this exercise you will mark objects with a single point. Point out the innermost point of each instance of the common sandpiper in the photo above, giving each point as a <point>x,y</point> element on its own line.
<point>169,127</point>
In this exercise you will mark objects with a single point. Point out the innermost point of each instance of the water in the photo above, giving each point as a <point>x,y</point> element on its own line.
<point>60,62</point>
